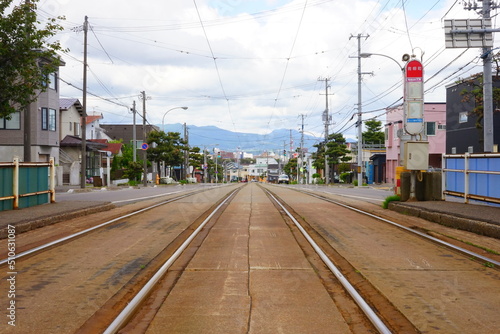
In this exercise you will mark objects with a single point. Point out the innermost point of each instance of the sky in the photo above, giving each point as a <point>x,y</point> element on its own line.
<point>255,65</point>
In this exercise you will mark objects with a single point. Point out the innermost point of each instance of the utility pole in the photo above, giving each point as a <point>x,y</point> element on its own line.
<point>487,90</point>
<point>466,34</point>
<point>83,172</point>
<point>144,138</point>
<point>360,122</point>
<point>27,113</point>
<point>186,152</point>
<point>291,147</point>
<point>301,168</point>
<point>205,167</point>
<point>134,136</point>
<point>326,119</point>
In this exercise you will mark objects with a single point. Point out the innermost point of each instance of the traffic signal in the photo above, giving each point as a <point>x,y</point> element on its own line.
<point>284,153</point>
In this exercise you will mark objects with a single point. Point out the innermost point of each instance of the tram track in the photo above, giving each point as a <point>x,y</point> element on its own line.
<point>462,250</point>
<point>225,251</point>
<point>113,270</point>
<point>433,258</point>
<point>135,305</point>
<point>117,219</point>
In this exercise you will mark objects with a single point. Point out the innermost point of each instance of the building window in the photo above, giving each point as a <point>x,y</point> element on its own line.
<point>53,81</point>
<point>52,120</point>
<point>441,126</point>
<point>50,81</point>
<point>45,118</point>
<point>14,123</point>
<point>48,119</point>
<point>430,128</point>
<point>463,117</point>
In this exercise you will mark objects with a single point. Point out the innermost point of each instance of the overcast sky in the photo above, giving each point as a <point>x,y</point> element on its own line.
<point>253,65</point>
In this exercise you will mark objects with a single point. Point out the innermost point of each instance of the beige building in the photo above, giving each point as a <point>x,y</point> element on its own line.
<point>44,118</point>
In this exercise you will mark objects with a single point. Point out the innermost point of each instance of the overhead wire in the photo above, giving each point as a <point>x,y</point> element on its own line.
<point>279,95</point>
<point>215,63</point>
<point>288,59</point>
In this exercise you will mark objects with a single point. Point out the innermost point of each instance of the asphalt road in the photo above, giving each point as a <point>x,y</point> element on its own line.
<point>121,196</point>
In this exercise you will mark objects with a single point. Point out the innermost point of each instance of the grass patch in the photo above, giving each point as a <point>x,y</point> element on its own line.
<point>486,249</point>
<point>389,199</point>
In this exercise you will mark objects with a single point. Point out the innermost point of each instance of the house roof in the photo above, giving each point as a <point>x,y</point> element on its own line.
<point>73,141</point>
<point>102,141</point>
<point>91,119</point>
<point>66,103</point>
<point>114,148</point>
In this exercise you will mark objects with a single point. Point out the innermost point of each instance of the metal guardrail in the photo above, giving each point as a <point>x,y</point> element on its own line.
<point>15,192</point>
<point>481,186</point>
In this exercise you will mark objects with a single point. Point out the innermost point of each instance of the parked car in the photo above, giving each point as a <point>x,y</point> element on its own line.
<point>283,179</point>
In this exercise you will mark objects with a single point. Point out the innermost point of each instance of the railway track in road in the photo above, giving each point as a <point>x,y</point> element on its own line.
<point>429,280</point>
<point>62,283</point>
<point>137,302</point>
<point>239,260</point>
<point>98,226</point>
<point>136,305</point>
<point>475,255</point>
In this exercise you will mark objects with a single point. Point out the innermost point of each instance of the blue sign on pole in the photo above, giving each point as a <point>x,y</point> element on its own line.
<point>144,146</point>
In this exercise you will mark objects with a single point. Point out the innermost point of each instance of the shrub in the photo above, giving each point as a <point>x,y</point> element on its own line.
<point>389,199</point>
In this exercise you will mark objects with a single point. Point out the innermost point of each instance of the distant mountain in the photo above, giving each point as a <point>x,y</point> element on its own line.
<point>208,136</point>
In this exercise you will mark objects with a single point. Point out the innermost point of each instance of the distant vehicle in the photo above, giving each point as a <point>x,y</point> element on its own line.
<point>283,179</point>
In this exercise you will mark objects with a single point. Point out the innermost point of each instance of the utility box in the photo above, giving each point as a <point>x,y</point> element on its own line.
<point>416,155</point>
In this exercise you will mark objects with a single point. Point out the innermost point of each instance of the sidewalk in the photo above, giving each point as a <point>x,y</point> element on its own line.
<point>46,214</point>
<point>479,219</point>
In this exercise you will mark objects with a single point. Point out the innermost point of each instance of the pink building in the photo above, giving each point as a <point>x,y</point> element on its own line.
<point>434,129</point>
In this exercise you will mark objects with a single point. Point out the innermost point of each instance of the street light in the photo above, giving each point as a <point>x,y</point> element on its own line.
<point>163,119</point>
<point>163,172</point>
<point>368,55</point>
<point>360,140</point>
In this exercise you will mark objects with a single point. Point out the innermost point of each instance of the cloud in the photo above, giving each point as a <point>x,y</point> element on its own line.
<point>254,67</point>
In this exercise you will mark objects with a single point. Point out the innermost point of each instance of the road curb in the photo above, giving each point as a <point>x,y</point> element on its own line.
<point>28,225</point>
<point>461,223</point>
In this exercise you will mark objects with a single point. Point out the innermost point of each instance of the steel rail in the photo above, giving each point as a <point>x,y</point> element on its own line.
<point>134,304</point>
<point>367,310</point>
<point>72,236</point>
<point>421,234</point>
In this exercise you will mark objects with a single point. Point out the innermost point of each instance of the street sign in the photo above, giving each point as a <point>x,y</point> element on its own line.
<point>414,97</point>
<point>468,33</point>
<point>144,146</point>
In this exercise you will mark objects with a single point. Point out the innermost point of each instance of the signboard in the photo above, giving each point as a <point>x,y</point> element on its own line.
<point>468,33</point>
<point>414,97</point>
<point>144,146</point>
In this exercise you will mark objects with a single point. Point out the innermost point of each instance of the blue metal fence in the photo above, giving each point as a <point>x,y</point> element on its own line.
<point>26,184</point>
<point>472,176</point>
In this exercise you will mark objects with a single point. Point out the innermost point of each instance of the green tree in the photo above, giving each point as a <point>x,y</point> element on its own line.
<point>195,159</point>
<point>473,95</point>
<point>291,167</point>
<point>126,163</point>
<point>373,133</point>
<point>133,170</point>
<point>169,148</point>
<point>27,58</point>
<point>336,149</point>
<point>247,161</point>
